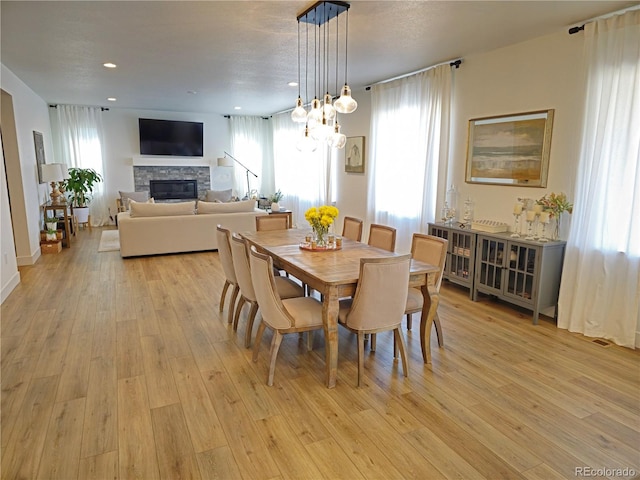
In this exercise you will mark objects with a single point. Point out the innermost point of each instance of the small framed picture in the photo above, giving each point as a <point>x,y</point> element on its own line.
<point>354,155</point>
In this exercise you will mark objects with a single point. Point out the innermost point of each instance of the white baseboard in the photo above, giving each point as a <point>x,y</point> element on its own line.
<point>23,261</point>
<point>10,285</point>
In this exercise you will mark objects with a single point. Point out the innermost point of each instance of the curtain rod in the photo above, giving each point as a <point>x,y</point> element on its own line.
<point>579,28</point>
<point>104,109</point>
<point>452,63</point>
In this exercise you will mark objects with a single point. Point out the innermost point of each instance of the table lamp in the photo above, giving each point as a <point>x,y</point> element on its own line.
<point>65,176</point>
<point>53,173</point>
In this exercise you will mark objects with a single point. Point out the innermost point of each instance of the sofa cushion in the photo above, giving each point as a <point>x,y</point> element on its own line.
<point>218,195</point>
<point>233,207</point>
<point>162,209</point>
<point>135,196</point>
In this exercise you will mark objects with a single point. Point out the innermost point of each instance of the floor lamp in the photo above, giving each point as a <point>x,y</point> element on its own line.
<point>239,163</point>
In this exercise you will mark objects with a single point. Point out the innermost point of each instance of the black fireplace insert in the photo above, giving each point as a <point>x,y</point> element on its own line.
<point>173,189</point>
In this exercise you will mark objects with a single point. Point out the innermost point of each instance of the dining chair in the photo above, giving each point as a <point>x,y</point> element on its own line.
<point>433,250</point>
<point>378,303</point>
<point>224,252</point>
<point>291,315</point>
<point>352,228</point>
<point>382,236</point>
<point>286,288</point>
<point>273,221</point>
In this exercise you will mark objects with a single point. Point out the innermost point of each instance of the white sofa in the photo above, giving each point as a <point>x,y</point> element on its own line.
<point>156,228</point>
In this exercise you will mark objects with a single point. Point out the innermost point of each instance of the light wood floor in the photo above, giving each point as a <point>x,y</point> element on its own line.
<point>125,369</point>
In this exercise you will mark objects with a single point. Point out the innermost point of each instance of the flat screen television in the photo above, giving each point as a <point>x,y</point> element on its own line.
<point>171,137</point>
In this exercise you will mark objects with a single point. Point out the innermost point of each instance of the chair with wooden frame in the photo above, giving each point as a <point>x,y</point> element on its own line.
<point>273,221</point>
<point>433,250</point>
<point>352,228</point>
<point>382,236</point>
<point>285,287</point>
<point>386,278</point>
<point>291,315</point>
<point>224,252</point>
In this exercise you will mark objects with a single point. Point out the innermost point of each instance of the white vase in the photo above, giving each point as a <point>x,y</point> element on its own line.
<point>82,214</point>
<point>51,236</point>
<point>52,225</point>
<point>275,207</point>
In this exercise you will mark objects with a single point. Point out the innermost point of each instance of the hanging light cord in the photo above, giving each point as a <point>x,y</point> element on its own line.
<point>299,59</point>
<point>346,49</point>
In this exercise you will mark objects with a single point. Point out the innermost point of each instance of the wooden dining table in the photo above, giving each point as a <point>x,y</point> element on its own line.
<point>334,274</point>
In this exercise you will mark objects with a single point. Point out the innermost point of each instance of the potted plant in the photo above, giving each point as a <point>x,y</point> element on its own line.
<point>79,186</point>
<point>275,198</point>
<point>51,223</point>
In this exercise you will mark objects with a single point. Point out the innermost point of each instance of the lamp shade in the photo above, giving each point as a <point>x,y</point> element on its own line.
<point>225,162</point>
<point>65,171</point>
<point>52,172</point>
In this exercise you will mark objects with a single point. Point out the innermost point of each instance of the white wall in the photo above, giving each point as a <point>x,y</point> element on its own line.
<point>122,143</point>
<point>9,275</point>
<point>31,113</point>
<point>539,74</point>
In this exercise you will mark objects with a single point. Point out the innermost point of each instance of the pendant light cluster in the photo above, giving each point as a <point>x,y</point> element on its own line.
<point>321,120</point>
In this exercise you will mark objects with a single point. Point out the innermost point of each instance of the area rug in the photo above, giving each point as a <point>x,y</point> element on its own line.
<point>109,241</point>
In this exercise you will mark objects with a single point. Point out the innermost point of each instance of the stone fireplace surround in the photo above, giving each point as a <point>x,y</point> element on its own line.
<point>142,175</point>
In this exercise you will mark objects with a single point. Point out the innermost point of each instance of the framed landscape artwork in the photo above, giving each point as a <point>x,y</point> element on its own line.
<point>510,149</point>
<point>354,155</point>
<point>39,146</point>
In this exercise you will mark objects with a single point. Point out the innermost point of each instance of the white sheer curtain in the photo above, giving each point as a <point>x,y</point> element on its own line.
<point>305,179</point>
<point>600,291</point>
<point>409,144</point>
<point>79,142</point>
<point>251,144</point>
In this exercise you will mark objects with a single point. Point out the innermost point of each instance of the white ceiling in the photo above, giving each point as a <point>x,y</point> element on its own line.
<point>243,53</point>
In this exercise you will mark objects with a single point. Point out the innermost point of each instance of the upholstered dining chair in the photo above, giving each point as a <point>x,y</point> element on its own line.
<point>433,250</point>
<point>352,228</point>
<point>382,236</point>
<point>285,287</point>
<point>224,252</point>
<point>386,278</point>
<point>273,221</point>
<point>292,315</point>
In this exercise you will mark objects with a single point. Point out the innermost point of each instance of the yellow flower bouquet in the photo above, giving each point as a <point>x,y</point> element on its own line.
<point>320,219</point>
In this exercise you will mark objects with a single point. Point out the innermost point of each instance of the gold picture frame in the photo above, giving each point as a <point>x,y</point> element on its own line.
<point>354,155</point>
<point>510,149</point>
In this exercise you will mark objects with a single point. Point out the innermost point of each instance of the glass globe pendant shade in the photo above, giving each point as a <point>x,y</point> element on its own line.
<point>306,143</point>
<point>315,115</point>
<point>321,132</point>
<point>299,114</point>
<point>328,109</point>
<point>337,139</point>
<point>346,103</point>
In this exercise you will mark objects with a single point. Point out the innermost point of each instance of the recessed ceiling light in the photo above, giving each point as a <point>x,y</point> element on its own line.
<point>109,65</point>
<point>237,108</point>
<point>112,99</point>
<point>293,84</point>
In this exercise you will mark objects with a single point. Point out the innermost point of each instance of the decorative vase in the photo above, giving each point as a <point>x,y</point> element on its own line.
<point>556,229</point>
<point>320,236</point>
<point>52,225</point>
<point>275,207</point>
<point>51,236</point>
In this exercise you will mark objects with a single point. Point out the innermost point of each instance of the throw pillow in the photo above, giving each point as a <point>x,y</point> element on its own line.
<point>135,196</point>
<point>219,195</point>
<point>233,207</point>
<point>162,209</point>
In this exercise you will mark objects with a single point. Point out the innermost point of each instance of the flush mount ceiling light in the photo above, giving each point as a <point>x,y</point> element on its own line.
<point>109,65</point>
<point>321,121</point>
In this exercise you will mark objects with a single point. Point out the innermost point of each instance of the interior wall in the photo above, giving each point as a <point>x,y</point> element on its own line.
<point>30,113</point>
<point>539,74</point>
<point>122,144</point>
<point>9,274</point>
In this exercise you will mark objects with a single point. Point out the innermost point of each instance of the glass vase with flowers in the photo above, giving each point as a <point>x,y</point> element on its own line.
<point>556,204</point>
<point>320,219</point>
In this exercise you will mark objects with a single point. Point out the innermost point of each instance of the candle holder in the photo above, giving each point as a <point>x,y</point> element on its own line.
<point>531,218</point>
<point>544,220</point>
<point>516,226</point>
